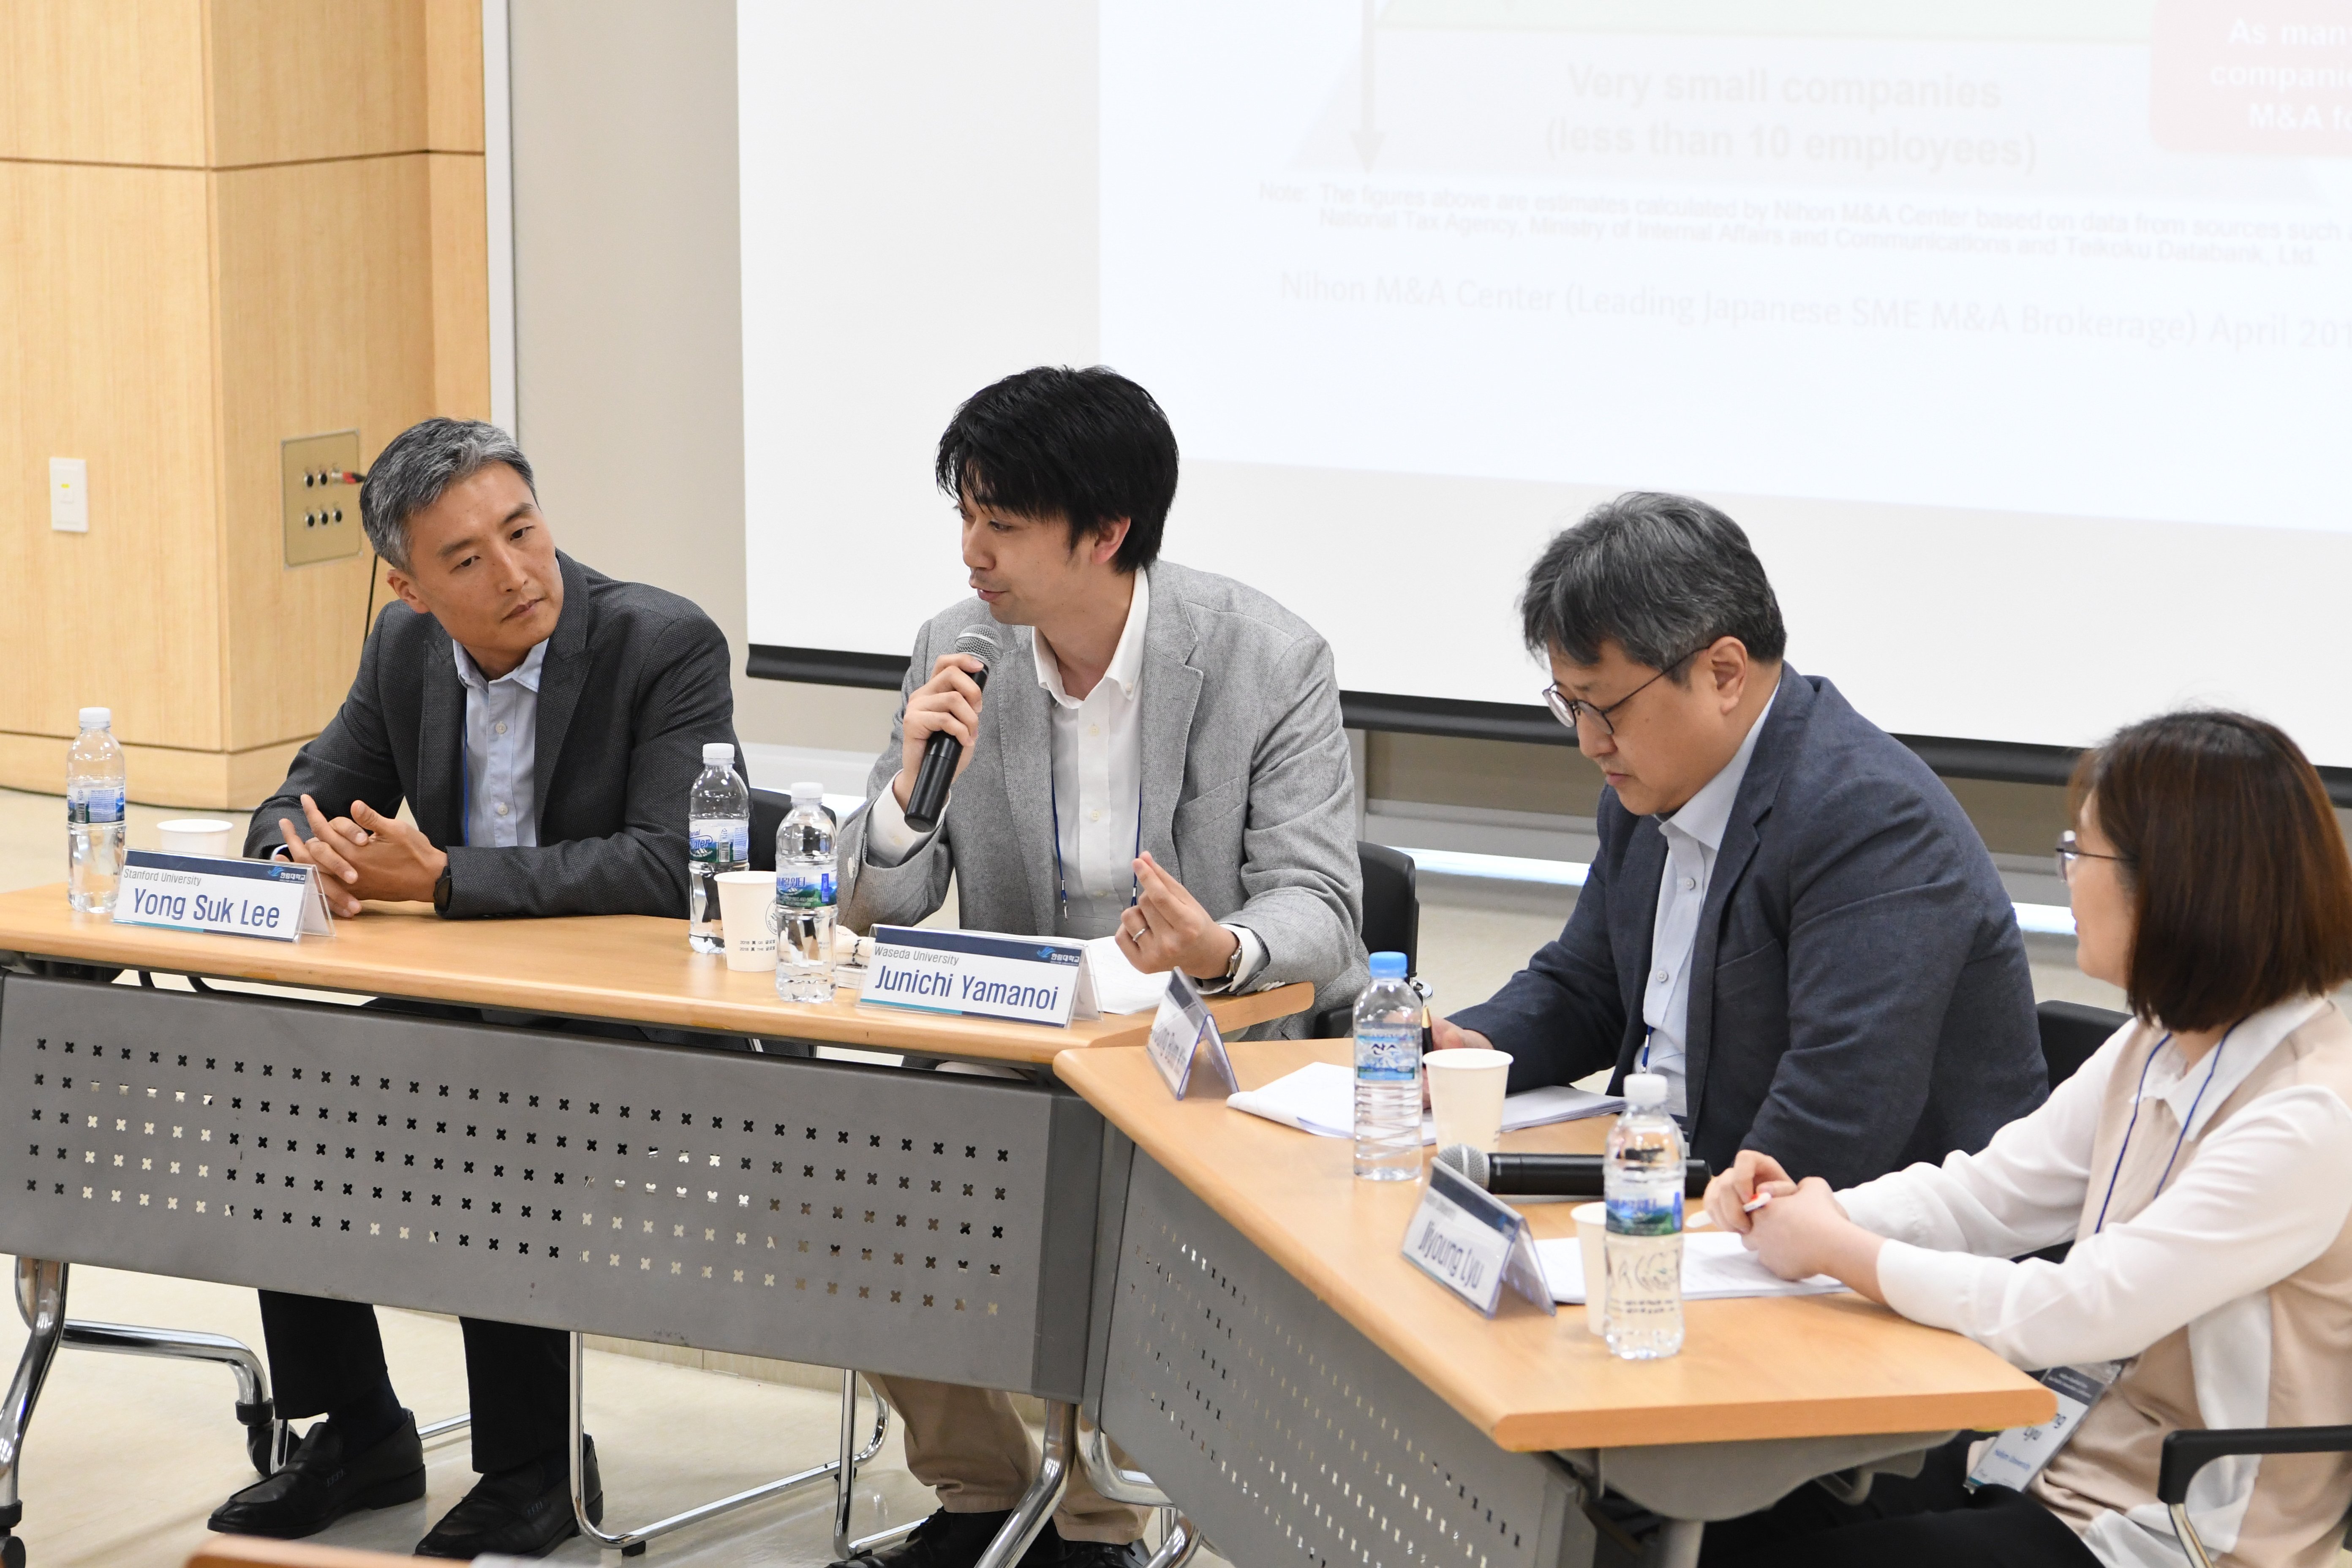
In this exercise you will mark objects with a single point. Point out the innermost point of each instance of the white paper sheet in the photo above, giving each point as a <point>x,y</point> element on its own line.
<point>1119,987</point>
<point>1715,1266</point>
<point>1321,1098</point>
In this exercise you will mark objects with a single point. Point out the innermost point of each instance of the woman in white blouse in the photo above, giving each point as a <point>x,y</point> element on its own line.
<point>2200,1163</point>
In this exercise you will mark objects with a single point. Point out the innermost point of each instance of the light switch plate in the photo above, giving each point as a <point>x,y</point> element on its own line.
<point>69,495</point>
<point>322,508</point>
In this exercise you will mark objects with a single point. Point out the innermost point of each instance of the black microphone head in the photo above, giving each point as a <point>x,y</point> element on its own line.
<point>1467,1161</point>
<point>979,642</point>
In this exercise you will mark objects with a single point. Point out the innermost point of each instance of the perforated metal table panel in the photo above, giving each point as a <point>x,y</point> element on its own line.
<point>929,1225</point>
<point>1280,1430</point>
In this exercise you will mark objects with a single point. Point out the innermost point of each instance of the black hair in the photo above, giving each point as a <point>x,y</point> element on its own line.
<point>418,465</point>
<point>1087,446</point>
<point>1662,576</point>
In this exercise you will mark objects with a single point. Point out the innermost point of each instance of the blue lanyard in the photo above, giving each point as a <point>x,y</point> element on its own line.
<point>2185,1122</point>
<point>1061,884</point>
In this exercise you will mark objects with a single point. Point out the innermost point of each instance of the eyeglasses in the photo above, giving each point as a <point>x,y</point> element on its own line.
<point>1573,711</point>
<point>2071,850</point>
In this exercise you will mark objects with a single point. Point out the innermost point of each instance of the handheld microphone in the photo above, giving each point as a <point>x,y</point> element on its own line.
<point>1549,1175</point>
<point>928,798</point>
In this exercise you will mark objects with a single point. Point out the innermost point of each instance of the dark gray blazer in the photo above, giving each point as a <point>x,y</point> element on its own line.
<point>635,681</point>
<point>1859,994</point>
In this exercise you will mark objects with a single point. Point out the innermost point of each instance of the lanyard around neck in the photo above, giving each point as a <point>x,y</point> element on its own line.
<point>1061,882</point>
<point>2185,1122</point>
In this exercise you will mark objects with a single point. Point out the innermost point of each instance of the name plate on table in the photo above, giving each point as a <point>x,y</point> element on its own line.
<point>981,975</point>
<point>1473,1243</point>
<point>277,899</point>
<point>1184,1032</point>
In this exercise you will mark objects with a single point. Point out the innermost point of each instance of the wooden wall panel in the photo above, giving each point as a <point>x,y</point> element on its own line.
<point>461,288</point>
<point>306,80</point>
<point>452,76</point>
<point>105,294</point>
<point>326,323</point>
<point>103,81</point>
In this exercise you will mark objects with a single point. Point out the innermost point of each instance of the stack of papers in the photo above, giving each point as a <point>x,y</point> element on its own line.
<point>1321,1098</point>
<point>1717,1265</point>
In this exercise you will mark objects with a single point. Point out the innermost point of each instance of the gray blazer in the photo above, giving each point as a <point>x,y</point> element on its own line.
<point>1859,994</point>
<point>1249,798</point>
<point>635,681</point>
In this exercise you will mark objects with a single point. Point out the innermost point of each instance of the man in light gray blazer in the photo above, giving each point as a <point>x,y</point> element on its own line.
<point>1157,754</point>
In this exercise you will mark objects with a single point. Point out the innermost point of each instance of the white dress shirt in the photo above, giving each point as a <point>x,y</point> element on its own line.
<point>1097,780</point>
<point>501,752</point>
<point>2265,1195</point>
<point>1693,835</point>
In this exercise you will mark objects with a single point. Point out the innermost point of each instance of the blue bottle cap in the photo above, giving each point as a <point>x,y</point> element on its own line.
<point>1387,966</point>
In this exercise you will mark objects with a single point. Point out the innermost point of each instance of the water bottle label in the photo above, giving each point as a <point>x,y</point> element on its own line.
<point>720,844</point>
<point>1646,1214</point>
<point>804,890</point>
<point>1388,1054</point>
<point>94,804</point>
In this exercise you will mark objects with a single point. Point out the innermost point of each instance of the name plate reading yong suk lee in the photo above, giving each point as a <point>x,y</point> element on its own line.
<point>1185,1032</point>
<point>1473,1244</point>
<point>275,899</point>
<point>981,975</point>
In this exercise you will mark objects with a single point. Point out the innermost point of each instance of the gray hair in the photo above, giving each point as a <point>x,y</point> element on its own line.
<point>422,462</point>
<point>1662,576</point>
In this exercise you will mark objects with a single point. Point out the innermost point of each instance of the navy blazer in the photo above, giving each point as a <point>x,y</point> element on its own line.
<point>1859,995</point>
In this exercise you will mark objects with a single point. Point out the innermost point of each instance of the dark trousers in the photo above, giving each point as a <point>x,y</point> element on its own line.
<point>326,1353</point>
<point>1931,1521</point>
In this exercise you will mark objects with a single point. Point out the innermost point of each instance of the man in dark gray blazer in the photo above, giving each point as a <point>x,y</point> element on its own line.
<point>1789,916</point>
<point>543,724</point>
<point>1158,757</point>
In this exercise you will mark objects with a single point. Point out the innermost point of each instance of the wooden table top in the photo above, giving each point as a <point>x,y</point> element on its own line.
<point>1766,1368</point>
<point>632,968</point>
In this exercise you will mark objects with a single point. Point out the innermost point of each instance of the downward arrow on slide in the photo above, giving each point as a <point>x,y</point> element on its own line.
<point>1367,139</point>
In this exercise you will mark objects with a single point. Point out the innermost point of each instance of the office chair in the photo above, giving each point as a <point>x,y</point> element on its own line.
<point>2072,1033</point>
<point>2186,1453</point>
<point>1392,921</point>
<point>769,809</point>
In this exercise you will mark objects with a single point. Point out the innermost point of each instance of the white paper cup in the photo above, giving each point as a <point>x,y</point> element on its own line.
<point>744,900</point>
<point>197,836</point>
<point>1591,1225</point>
<point>1465,1096</point>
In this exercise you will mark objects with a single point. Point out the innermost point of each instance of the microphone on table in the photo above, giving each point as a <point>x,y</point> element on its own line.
<point>1549,1175</point>
<point>928,798</point>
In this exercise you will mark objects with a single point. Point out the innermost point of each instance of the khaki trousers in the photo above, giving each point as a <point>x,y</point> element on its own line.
<point>967,1445</point>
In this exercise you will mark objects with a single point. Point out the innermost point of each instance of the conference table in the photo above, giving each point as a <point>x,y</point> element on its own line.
<point>1263,1352</point>
<point>495,1136</point>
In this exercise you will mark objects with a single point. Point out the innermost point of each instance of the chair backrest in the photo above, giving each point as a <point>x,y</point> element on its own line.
<point>1391,903</point>
<point>2072,1033</point>
<point>769,809</point>
<point>1392,920</point>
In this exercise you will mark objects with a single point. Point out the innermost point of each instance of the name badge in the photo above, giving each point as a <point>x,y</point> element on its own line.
<point>979,974</point>
<point>1473,1244</point>
<point>277,899</point>
<point>2018,1454</point>
<point>1184,1032</point>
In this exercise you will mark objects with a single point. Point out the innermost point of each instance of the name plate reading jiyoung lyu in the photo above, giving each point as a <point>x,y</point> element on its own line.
<point>981,975</point>
<point>277,899</point>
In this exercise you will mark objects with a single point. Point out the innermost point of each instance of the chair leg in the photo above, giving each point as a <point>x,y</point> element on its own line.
<point>2186,1532</point>
<point>41,1299</point>
<point>1178,1544</point>
<point>632,1543</point>
<point>1045,1494</point>
<point>264,1435</point>
<point>843,1546</point>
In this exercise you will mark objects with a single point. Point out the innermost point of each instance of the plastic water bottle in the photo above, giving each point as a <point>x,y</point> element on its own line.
<point>1642,1181</point>
<point>718,838</point>
<point>1387,1074</point>
<point>804,896</point>
<point>94,782</point>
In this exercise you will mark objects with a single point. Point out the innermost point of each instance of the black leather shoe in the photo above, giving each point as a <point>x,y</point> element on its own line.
<point>319,1484</point>
<point>518,1512</point>
<point>956,1540</point>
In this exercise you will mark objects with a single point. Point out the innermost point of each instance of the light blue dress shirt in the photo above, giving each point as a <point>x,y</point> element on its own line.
<point>501,752</point>
<point>1693,835</point>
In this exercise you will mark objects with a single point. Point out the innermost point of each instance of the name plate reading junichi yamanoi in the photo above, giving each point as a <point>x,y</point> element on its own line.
<point>981,975</point>
<point>278,899</point>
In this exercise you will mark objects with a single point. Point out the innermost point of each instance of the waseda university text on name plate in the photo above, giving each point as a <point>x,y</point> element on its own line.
<point>1025,979</point>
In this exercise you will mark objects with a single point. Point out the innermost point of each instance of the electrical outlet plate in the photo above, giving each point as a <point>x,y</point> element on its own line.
<point>322,509</point>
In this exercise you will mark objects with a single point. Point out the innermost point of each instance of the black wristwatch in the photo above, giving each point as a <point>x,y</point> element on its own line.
<point>441,892</point>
